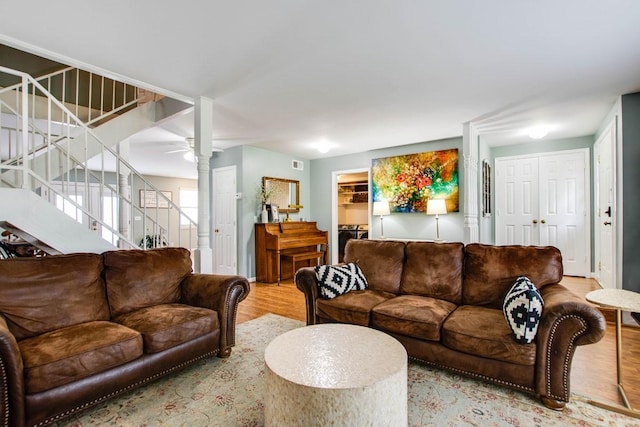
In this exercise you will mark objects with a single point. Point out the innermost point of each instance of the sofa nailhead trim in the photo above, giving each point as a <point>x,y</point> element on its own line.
<point>122,390</point>
<point>473,374</point>
<point>568,355</point>
<point>5,394</point>
<point>231,327</point>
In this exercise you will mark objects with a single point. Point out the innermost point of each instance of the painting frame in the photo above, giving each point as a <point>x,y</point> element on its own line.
<point>150,199</point>
<point>408,181</point>
<point>486,189</point>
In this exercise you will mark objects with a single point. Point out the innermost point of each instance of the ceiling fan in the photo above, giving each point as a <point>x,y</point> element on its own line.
<point>188,149</point>
<point>186,146</point>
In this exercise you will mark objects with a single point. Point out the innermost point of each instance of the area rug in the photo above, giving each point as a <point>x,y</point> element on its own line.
<point>230,392</point>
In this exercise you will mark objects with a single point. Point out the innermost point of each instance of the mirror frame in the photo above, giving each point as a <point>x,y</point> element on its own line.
<point>266,179</point>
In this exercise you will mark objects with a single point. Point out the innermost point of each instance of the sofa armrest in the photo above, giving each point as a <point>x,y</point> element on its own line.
<point>12,410</point>
<point>221,293</point>
<point>567,321</point>
<point>307,281</point>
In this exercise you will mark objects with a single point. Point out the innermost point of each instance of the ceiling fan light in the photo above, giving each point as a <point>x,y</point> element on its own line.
<point>188,156</point>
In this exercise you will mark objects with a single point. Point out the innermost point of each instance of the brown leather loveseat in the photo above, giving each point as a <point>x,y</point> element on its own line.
<point>443,302</point>
<point>80,328</point>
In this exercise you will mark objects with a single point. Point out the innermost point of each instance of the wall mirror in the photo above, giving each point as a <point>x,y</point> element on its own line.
<point>283,193</point>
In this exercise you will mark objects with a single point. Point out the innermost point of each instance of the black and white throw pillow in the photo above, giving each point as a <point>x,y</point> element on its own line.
<point>522,308</point>
<point>336,280</point>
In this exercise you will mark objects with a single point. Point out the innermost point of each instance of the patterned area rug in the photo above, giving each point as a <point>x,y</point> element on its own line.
<point>230,392</point>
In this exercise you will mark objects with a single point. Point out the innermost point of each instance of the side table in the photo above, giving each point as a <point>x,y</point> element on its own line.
<point>620,300</point>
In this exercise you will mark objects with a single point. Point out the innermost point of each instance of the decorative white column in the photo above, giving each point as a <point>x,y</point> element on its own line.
<point>124,213</point>
<point>203,255</point>
<point>470,155</point>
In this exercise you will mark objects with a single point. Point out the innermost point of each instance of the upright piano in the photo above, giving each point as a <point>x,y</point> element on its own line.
<point>275,239</point>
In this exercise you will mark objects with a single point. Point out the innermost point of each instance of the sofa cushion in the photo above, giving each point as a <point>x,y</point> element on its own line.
<point>353,307</point>
<point>336,280</point>
<point>42,294</point>
<point>489,271</point>
<point>381,262</point>
<point>168,325</point>
<point>523,309</point>
<point>434,270</point>
<point>482,331</point>
<point>137,279</point>
<point>413,316</point>
<point>75,352</point>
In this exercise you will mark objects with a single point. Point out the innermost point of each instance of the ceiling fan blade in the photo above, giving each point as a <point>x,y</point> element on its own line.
<point>181,150</point>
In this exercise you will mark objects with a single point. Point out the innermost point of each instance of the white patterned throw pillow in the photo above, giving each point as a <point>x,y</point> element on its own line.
<point>336,280</point>
<point>522,308</point>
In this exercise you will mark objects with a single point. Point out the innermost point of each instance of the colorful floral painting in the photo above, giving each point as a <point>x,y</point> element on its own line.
<point>407,182</point>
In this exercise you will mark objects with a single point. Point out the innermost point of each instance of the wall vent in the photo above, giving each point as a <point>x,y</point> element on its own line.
<point>297,165</point>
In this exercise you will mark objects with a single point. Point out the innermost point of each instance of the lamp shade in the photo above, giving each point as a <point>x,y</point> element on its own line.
<point>381,208</point>
<point>436,207</point>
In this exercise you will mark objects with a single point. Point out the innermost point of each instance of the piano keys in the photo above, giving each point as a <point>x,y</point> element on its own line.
<point>274,239</point>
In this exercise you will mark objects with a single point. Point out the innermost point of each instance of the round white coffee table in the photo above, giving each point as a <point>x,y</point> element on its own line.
<point>335,374</point>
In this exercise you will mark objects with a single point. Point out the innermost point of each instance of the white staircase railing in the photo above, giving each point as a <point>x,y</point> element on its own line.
<point>47,148</point>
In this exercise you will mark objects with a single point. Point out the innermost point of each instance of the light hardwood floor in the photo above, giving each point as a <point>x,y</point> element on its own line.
<point>593,371</point>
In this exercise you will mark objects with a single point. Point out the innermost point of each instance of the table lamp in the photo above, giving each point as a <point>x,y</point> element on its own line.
<point>381,209</point>
<point>437,207</point>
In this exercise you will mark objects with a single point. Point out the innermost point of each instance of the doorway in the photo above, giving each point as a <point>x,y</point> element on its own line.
<point>225,234</point>
<point>350,209</point>
<point>543,200</point>
<point>604,228</point>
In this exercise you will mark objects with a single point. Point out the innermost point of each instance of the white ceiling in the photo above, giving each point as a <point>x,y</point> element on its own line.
<point>362,74</point>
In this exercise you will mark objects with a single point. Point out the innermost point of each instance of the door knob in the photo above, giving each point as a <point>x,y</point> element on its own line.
<point>216,231</point>
<point>535,221</point>
<point>608,211</point>
<point>607,223</point>
<point>543,221</point>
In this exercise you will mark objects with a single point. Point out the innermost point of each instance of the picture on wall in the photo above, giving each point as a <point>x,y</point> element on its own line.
<point>408,181</point>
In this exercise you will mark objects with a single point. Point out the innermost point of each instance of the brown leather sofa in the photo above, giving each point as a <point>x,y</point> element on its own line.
<point>81,328</point>
<point>443,302</point>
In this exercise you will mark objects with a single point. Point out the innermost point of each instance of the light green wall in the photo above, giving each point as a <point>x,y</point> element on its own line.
<point>403,226</point>
<point>316,196</point>
<point>546,146</point>
<point>252,164</point>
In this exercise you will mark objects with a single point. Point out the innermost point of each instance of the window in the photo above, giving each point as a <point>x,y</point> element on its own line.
<point>110,217</point>
<point>189,205</point>
<point>69,208</point>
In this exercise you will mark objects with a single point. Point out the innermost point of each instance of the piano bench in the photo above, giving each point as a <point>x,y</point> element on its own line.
<point>301,256</point>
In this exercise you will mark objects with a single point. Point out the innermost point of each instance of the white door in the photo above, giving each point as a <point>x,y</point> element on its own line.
<point>224,220</point>
<point>516,201</point>
<point>563,208</point>
<point>605,207</point>
<point>543,200</point>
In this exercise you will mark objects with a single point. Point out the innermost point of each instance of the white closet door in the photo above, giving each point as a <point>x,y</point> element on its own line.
<point>516,195</point>
<point>544,200</point>
<point>563,208</point>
